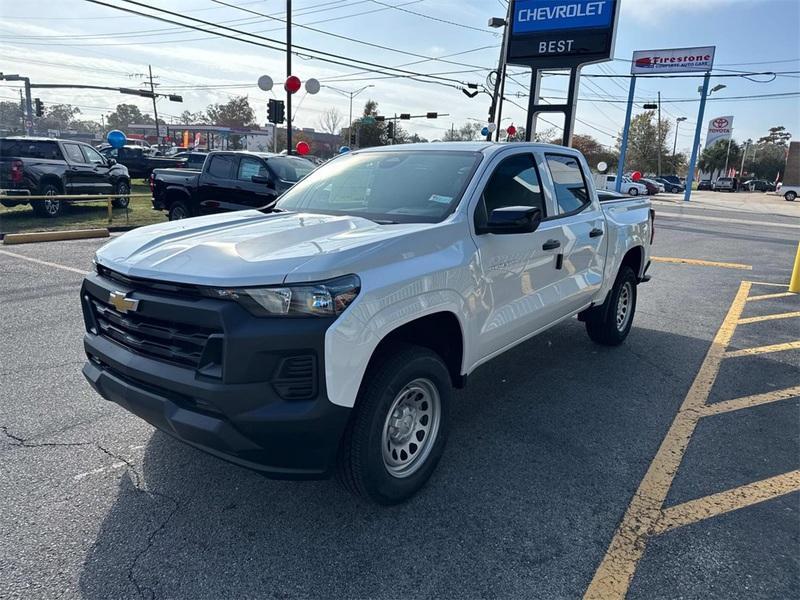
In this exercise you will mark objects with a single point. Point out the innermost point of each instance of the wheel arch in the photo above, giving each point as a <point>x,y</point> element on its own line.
<point>51,179</point>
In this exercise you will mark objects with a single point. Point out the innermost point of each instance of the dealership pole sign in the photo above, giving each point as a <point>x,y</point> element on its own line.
<point>719,130</point>
<point>675,60</point>
<point>562,33</point>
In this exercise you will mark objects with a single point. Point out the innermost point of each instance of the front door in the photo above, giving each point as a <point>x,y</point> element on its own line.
<point>98,177</point>
<point>520,274</point>
<point>254,194</point>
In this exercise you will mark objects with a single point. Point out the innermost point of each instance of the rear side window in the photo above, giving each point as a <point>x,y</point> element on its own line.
<point>570,187</point>
<point>92,155</point>
<point>74,153</point>
<point>221,166</point>
<point>30,149</point>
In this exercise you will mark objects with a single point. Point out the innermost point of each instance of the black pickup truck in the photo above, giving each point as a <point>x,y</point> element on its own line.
<point>31,166</point>
<point>228,181</point>
<point>140,161</point>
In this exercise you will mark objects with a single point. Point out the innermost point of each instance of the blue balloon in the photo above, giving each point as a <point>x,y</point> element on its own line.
<point>116,138</point>
<point>344,149</point>
<point>485,131</point>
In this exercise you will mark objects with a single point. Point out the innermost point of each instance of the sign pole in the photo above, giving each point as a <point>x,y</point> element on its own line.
<point>696,145</point>
<point>572,100</point>
<point>623,148</point>
<point>288,74</point>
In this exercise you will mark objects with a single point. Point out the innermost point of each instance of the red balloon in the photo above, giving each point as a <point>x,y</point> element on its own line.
<point>511,131</point>
<point>303,148</point>
<point>293,84</point>
<point>636,176</point>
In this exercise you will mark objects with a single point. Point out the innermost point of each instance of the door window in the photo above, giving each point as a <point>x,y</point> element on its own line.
<point>570,187</point>
<point>250,167</point>
<point>515,182</point>
<point>92,155</point>
<point>221,167</point>
<point>74,153</point>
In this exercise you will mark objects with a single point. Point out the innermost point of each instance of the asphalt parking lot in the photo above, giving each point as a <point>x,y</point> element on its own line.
<point>668,467</point>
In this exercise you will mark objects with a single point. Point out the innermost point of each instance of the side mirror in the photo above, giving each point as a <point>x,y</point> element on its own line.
<point>261,179</point>
<point>513,219</point>
<point>111,162</point>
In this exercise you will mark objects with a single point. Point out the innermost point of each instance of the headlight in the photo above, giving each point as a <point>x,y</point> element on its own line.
<point>324,299</point>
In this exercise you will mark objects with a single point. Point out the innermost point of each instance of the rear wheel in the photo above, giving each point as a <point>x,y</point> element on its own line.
<point>48,208</point>
<point>633,191</point>
<point>179,210</point>
<point>122,189</point>
<point>399,426</point>
<point>610,323</point>
<point>790,196</point>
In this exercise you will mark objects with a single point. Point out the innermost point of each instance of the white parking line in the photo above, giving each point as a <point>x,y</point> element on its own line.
<point>669,215</point>
<point>116,465</point>
<point>43,262</point>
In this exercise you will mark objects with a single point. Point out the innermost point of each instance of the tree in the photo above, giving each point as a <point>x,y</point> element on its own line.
<point>58,116</point>
<point>594,151</point>
<point>237,112</point>
<point>468,132</point>
<point>125,114</point>
<point>331,120</point>
<point>189,118</point>
<point>11,117</point>
<point>644,143</point>
<point>777,135</point>
<point>714,158</point>
<point>368,131</point>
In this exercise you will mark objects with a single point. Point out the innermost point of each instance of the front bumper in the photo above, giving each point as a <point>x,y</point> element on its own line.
<point>241,409</point>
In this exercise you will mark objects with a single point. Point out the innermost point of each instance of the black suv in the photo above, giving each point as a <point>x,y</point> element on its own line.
<point>31,166</point>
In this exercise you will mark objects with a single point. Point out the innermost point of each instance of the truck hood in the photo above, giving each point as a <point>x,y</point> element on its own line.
<point>245,248</point>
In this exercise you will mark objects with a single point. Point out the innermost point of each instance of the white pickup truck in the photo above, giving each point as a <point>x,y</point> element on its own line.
<point>627,185</point>
<point>325,333</point>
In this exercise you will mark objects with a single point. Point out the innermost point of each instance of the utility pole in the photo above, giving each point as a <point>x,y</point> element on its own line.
<point>288,74</point>
<point>659,134</point>
<point>728,155</point>
<point>155,110</point>
<point>675,143</point>
<point>744,155</point>
<point>496,109</point>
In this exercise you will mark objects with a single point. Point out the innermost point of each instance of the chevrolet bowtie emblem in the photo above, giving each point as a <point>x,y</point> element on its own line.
<point>122,303</point>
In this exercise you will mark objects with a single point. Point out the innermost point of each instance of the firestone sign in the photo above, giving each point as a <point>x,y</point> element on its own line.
<point>677,60</point>
<point>719,129</point>
<point>562,33</point>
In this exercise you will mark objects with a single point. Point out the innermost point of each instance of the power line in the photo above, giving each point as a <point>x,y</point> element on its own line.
<point>432,18</point>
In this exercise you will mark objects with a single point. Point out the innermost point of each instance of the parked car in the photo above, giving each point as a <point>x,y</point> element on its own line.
<point>725,184</point>
<point>327,333</point>
<point>653,186</point>
<point>32,166</point>
<point>670,186</point>
<point>759,185</point>
<point>789,192</point>
<point>140,161</point>
<point>704,184</point>
<point>194,160</point>
<point>628,186</point>
<point>228,181</point>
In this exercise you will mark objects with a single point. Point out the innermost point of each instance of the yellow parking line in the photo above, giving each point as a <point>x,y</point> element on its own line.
<point>781,285</point>
<point>771,296</point>
<point>763,349</point>
<point>787,315</point>
<point>727,501</point>
<point>719,408</point>
<point>613,576</point>
<point>701,263</point>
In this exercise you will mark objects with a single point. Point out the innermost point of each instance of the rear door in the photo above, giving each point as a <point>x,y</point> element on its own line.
<point>217,182</point>
<point>579,225</point>
<point>80,173</point>
<point>99,178</point>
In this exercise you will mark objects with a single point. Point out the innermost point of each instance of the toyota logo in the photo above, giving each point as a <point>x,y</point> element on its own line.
<point>720,123</point>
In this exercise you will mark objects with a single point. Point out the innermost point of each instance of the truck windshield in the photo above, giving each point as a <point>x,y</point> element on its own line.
<point>290,168</point>
<point>395,187</point>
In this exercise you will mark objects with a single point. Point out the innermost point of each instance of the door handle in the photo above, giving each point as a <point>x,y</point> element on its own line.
<point>551,245</point>
<point>596,232</point>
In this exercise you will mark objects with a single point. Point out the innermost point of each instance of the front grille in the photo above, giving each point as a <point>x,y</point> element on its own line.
<point>296,377</point>
<point>169,341</point>
<point>182,290</point>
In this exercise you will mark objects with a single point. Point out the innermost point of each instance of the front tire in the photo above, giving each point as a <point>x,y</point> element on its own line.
<point>611,323</point>
<point>790,196</point>
<point>398,430</point>
<point>123,189</point>
<point>48,208</point>
<point>633,191</point>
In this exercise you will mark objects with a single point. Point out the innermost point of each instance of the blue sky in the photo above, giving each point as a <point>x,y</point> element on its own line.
<point>48,41</point>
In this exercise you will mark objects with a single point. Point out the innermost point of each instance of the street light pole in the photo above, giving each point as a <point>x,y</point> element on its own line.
<point>155,110</point>
<point>659,134</point>
<point>350,94</point>
<point>496,109</point>
<point>675,143</point>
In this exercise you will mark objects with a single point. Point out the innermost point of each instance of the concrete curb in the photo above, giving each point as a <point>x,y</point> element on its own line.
<point>54,236</point>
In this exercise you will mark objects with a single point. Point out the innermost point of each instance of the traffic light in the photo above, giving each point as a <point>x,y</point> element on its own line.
<point>405,116</point>
<point>39,107</point>
<point>390,130</point>
<point>352,138</point>
<point>276,111</point>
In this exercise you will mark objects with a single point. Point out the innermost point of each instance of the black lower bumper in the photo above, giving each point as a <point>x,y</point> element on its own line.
<point>243,415</point>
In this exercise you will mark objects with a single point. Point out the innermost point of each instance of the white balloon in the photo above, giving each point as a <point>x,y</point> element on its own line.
<point>492,127</point>
<point>265,83</point>
<point>312,86</point>
<point>602,166</point>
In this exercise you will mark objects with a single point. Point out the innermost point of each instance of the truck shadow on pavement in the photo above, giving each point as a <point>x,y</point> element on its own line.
<point>547,445</point>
